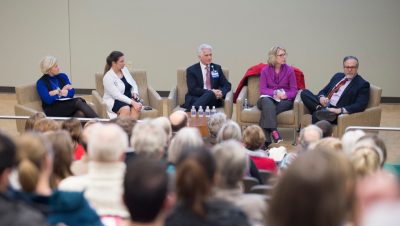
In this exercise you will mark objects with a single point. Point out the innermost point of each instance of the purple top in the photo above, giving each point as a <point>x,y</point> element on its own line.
<point>285,79</point>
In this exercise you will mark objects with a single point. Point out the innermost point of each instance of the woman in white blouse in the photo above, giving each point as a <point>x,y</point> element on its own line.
<point>121,93</point>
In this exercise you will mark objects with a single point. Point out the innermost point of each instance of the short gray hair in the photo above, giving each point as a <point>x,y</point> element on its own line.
<point>232,162</point>
<point>215,123</point>
<point>47,63</point>
<point>305,139</point>
<point>231,130</point>
<point>107,143</point>
<point>203,46</point>
<point>165,124</point>
<point>184,139</point>
<point>149,139</point>
<point>346,58</point>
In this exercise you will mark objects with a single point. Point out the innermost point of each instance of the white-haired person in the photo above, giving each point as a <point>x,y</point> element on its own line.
<point>103,183</point>
<point>232,163</point>
<point>186,138</point>
<point>121,93</point>
<point>57,94</point>
<point>214,125</point>
<point>206,82</point>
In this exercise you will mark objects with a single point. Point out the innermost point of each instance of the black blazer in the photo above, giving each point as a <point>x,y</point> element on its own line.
<point>356,95</point>
<point>195,83</point>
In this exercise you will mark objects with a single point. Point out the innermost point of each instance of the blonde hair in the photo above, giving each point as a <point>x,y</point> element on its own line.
<point>32,150</point>
<point>273,52</point>
<point>32,120</point>
<point>47,63</point>
<point>365,160</point>
<point>253,137</point>
<point>328,144</point>
<point>45,124</point>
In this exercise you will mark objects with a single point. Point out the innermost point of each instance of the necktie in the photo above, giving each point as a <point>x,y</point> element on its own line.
<point>337,87</point>
<point>208,80</point>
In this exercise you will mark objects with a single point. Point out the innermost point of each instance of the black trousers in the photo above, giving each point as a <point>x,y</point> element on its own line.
<point>207,99</point>
<point>311,101</point>
<point>76,107</point>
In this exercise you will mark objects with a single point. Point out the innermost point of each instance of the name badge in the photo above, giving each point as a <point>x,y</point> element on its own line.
<point>214,74</point>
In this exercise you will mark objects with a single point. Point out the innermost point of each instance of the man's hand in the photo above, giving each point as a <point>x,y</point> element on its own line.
<point>323,101</point>
<point>54,92</point>
<point>217,93</point>
<point>67,87</point>
<point>335,110</point>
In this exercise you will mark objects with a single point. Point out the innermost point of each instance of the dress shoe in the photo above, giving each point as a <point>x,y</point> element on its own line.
<point>324,114</point>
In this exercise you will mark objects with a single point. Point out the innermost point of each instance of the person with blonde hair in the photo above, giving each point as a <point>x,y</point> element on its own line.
<point>32,120</point>
<point>366,159</point>
<point>278,89</point>
<point>35,167</point>
<point>328,143</point>
<point>46,124</point>
<point>57,94</point>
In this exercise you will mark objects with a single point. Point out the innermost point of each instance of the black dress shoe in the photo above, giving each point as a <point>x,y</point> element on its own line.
<point>324,114</point>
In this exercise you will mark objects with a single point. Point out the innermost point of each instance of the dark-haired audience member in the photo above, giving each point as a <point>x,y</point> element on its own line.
<point>317,189</point>
<point>74,128</point>
<point>62,147</point>
<point>179,120</point>
<point>253,139</point>
<point>232,162</point>
<point>103,183</point>
<point>326,128</point>
<point>195,176</point>
<point>146,192</point>
<point>214,124</point>
<point>35,166</point>
<point>32,120</point>
<point>12,212</point>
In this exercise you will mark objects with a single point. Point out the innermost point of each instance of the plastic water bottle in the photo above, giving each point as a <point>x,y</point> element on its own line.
<point>193,112</point>
<point>213,111</point>
<point>246,104</point>
<point>201,111</point>
<point>208,112</point>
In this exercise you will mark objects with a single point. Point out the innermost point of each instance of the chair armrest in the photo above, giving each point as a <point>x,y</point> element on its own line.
<point>228,104</point>
<point>369,117</point>
<point>155,100</point>
<point>100,106</point>
<point>172,100</point>
<point>239,103</point>
<point>296,109</point>
<point>21,110</point>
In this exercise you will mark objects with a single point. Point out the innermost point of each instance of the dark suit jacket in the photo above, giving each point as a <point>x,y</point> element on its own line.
<point>354,98</point>
<point>195,84</point>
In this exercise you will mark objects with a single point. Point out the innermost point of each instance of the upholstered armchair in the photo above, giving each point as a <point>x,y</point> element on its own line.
<point>251,115</point>
<point>177,95</point>
<point>370,117</point>
<point>28,103</point>
<point>147,93</point>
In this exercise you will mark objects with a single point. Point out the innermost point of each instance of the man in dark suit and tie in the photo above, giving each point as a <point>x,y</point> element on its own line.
<point>207,85</point>
<point>346,93</point>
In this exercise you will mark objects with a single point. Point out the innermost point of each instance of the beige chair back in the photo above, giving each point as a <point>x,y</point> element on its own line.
<point>27,94</point>
<point>140,77</point>
<point>253,84</point>
<point>182,84</point>
<point>374,96</point>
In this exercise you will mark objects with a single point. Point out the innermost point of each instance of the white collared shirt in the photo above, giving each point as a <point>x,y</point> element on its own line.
<point>204,72</point>
<point>336,96</point>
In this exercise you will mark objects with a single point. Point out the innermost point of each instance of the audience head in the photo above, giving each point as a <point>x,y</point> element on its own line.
<point>253,137</point>
<point>47,63</point>
<point>326,128</point>
<point>107,143</point>
<point>205,53</point>
<point>374,140</point>
<point>186,138</point>
<point>145,190</point>
<point>317,189</point>
<point>127,123</point>
<point>34,157</point>
<point>366,159</point>
<point>350,138</point>
<point>274,53</point>
<point>149,140</point>
<point>32,120</point>
<point>113,59</point>
<point>7,160</point>
<point>230,130</point>
<point>87,131</point>
<point>194,178</point>
<point>165,124</point>
<point>328,144</point>
<point>308,135</point>
<point>178,120</point>
<point>63,151</point>
<point>45,124</point>
<point>215,123</point>
<point>74,128</point>
<point>231,159</point>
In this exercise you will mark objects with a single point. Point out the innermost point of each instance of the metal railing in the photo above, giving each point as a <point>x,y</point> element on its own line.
<point>372,128</point>
<point>13,117</point>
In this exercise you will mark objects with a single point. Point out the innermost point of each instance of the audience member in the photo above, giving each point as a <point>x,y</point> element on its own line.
<point>366,159</point>
<point>166,125</point>
<point>127,123</point>
<point>149,140</point>
<point>214,124</point>
<point>74,128</point>
<point>328,144</point>
<point>45,124</point>
<point>179,120</point>
<point>232,163</point>
<point>32,120</point>
<point>326,128</point>
<point>350,138</point>
<point>195,178</point>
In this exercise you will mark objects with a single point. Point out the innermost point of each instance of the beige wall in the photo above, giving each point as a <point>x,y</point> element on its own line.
<point>161,36</point>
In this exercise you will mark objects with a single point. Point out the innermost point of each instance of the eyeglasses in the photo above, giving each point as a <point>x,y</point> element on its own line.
<point>350,67</point>
<point>281,55</point>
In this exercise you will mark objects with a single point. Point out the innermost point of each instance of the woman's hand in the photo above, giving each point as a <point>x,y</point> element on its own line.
<point>136,105</point>
<point>54,92</point>
<point>67,87</point>
<point>64,92</point>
